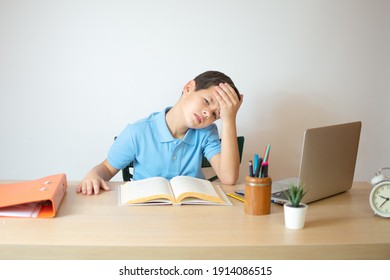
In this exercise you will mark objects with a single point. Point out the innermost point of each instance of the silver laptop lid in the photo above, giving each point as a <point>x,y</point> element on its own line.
<point>328,159</point>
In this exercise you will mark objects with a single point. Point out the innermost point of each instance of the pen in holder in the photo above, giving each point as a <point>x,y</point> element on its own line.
<point>257,195</point>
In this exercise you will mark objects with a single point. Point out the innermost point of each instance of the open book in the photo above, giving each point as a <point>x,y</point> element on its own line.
<point>179,190</point>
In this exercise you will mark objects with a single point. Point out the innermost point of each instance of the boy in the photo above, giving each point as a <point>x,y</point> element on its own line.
<point>172,142</point>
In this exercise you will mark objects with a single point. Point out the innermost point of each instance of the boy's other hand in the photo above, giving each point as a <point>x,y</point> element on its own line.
<point>92,186</point>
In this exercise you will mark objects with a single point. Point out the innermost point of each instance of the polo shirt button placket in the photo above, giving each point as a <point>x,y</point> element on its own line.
<point>175,158</point>
<point>177,142</point>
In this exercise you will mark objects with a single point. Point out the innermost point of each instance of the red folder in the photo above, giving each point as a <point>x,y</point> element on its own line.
<point>41,198</point>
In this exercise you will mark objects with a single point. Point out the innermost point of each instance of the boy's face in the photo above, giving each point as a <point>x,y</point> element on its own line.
<point>200,108</point>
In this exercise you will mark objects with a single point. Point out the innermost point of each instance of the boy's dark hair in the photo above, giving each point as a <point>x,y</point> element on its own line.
<point>213,78</point>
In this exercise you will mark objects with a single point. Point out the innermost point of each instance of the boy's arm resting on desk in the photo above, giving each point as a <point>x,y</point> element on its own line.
<point>96,179</point>
<point>226,164</point>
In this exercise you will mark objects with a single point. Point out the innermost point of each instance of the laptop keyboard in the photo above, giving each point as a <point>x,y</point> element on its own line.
<point>279,194</point>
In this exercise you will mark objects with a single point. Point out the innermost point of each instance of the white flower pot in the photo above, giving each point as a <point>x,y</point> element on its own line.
<point>294,217</point>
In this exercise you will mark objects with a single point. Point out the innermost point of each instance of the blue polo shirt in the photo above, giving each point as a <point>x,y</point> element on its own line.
<point>154,151</point>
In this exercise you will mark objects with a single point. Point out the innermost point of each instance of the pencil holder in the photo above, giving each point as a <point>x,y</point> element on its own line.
<point>257,195</point>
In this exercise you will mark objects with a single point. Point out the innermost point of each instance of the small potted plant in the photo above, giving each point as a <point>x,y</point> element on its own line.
<point>295,210</point>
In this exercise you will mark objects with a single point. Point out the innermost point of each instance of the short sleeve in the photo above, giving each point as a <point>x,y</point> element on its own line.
<point>122,151</point>
<point>212,143</point>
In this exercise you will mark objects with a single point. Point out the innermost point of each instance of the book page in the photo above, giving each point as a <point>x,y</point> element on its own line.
<point>186,187</point>
<point>149,190</point>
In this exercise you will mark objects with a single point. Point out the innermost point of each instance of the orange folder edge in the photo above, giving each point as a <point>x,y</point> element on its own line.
<point>50,189</point>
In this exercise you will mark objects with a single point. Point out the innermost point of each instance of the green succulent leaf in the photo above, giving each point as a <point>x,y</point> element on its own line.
<point>295,193</point>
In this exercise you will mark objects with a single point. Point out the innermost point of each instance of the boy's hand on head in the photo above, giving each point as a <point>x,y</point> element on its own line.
<point>228,101</point>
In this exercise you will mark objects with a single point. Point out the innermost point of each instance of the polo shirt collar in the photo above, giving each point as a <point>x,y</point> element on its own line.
<point>165,135</point>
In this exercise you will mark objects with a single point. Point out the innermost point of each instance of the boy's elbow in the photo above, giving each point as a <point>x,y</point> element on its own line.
<point>229,180</point>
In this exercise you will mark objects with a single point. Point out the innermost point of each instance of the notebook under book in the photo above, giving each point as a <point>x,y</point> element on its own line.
<point>327,162</point>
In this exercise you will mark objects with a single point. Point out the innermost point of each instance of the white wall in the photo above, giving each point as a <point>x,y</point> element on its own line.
<point>74,73</point>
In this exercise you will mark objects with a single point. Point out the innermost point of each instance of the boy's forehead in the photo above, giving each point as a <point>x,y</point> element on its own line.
<point>210,93</point>
<point>210,90</point>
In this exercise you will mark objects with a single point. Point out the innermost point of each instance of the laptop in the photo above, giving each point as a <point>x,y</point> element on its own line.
<point>327,163</point>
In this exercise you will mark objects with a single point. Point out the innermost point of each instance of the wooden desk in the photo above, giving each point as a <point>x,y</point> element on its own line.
<point>340,227</point>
